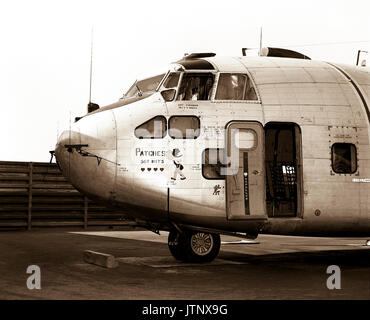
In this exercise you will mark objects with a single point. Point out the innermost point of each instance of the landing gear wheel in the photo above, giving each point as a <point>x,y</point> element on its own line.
<point>176,245</point>
<point>193,246</point>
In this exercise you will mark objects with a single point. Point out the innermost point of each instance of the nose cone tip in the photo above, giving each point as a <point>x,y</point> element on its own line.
<point>61,153</point>
<point>59,146</point>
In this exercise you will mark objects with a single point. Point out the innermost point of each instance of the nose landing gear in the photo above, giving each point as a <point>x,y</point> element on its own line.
<point>193,246</point>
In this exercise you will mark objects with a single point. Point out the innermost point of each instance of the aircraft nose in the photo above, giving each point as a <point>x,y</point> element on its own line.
<point>63,149</point>
<point>87,154</point>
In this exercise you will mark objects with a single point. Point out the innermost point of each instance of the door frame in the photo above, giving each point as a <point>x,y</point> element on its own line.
<point>299,167</point>
<point>260,187</point>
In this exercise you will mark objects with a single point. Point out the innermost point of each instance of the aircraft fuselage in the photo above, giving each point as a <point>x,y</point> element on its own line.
<point>303,149</point>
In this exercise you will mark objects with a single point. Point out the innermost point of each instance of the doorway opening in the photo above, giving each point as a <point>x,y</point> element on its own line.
<point>283,169</point>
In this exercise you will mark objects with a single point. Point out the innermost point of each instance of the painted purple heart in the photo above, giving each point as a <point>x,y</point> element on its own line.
<point>142,169</point>
<point>155,169</point>
<point>161,169</point>
<point>149,169</point>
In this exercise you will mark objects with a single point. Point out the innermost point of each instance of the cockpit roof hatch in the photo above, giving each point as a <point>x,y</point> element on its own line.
<point>193,61</point>
<point>199,55</point>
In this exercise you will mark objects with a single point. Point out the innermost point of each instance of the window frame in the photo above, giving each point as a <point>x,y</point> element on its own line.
<point>245,73</point>
<point>203,164</point>
<point>163,135</point>
<point>215,80</point>
<point>355,153</point>
<point>182,116</point>
<point>161,85</point>
<point>162,81</point>
<point>255,141</point>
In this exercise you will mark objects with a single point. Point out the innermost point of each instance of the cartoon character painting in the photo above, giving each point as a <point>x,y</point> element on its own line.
<point>176,157</point>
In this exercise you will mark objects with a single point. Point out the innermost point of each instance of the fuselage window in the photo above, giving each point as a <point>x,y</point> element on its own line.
<point>154,128</point>
<point>196,86</point>
<point>212,163</point>
<point>184,127</point>
<point>344,158</point>
<point>235,86</point>
<point>245,139</point>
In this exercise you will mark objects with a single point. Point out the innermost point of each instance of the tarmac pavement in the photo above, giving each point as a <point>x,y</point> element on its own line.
<point>271,267</point>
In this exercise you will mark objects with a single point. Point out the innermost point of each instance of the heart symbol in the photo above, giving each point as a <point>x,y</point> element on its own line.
<point>142,169</point>
<point>161,169</point>
<point>149,169</point>
<point>155,169</point>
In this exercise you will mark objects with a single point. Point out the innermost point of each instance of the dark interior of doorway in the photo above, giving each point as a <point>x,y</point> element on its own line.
<point>282,150</point>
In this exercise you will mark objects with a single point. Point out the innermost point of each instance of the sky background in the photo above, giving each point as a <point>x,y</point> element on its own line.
<point>45,51</point>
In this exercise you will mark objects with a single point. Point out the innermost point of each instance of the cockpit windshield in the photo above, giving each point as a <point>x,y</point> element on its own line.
<point>201,86</point>
<point>145,85</point>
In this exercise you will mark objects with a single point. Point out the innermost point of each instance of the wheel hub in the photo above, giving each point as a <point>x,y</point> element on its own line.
<point>201,243</point>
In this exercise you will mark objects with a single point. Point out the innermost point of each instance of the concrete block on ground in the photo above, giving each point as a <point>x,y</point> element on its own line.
<point>100,259</point>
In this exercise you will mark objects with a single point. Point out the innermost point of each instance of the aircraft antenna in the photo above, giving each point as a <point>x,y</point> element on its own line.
<point>70,126</point>
<point>91,62</point>
<point>57,129</point>
<point>259,53</point>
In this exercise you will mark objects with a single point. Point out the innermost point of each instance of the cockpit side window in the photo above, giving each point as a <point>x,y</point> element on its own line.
<point>196,86</point>
<point>154,128</point>
<point>235,86</point>
<point>172,80</point>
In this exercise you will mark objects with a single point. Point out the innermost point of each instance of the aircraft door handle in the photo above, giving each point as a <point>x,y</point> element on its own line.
<point>256,172</point>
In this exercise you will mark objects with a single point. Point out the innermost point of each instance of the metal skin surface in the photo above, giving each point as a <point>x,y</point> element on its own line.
<point>135,174</point>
